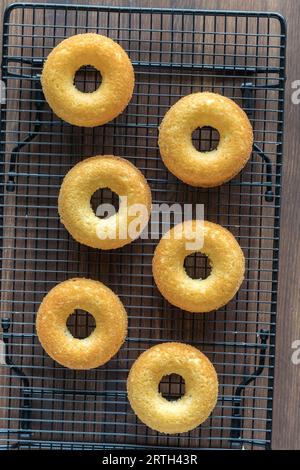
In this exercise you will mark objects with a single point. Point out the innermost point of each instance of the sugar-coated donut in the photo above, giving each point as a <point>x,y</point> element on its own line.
<point>77,215</point>
<point>205,169</point>
<point>105,103</point>
<point>201,387</point>
<point>226,260</point>
<point>98,300</point>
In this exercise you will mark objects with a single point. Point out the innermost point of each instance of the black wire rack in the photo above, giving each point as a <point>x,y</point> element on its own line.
<point>174,52</point>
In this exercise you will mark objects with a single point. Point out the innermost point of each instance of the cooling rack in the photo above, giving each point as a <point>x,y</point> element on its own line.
<point>174,52</point>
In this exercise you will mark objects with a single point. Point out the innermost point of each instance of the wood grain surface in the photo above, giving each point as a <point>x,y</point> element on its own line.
<point>286,411</point>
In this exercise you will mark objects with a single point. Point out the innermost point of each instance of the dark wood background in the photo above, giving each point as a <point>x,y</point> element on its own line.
<point>286,416</point>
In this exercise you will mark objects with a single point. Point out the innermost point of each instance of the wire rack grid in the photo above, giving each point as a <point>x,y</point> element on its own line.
<point>174,53</point>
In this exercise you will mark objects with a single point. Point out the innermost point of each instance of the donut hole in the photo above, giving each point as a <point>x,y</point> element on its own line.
<point>105,203</point>
<point>172,387</point>
<point>197,266</point>
<point>81,324</point>
<point>87,79</point>
<point>205,139</point>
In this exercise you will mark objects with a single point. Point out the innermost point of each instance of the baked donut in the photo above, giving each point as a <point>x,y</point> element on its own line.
<point>201,387</point>
<point>105,103</point>
<point>104,341</point>
<point>121,177</point>
<point>217,166</point>
<point>226,260</point>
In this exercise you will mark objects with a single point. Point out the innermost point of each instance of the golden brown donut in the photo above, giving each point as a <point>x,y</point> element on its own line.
<point>80,184</point>
<point>105,103</point>
<point>104,341</point>
<point>201,387</point>
<point>217,166</point>
<point>226,260</point>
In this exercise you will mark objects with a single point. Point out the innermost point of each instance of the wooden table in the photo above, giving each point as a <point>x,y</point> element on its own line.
<point>286,415</point>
